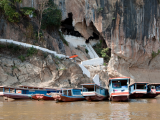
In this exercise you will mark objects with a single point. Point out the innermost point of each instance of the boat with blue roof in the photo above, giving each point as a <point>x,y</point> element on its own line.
<point>118,89</point>
<point>70,95</point>
<point>138,89</point>
<point>153,90</point>
<point>94,92</point>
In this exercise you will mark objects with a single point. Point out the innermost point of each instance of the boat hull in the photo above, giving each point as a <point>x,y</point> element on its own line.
<point>37,96</point>
<point>48,98</point>
<point>138,94</point>
<point>93,96</point>
<point>120,97</point>
<point>70,98</point>
<point>17,96</point>
<point>150,95</point>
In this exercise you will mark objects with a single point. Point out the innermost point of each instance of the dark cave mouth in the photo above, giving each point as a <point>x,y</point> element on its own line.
<point>67,28</point>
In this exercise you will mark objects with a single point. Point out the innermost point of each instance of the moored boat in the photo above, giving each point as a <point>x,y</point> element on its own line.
<point>94,92</point>
<point>14,93</point>
<point>138,89</point>
<point>70,95</point>
<point>118,89</point>
<point>153,90</point>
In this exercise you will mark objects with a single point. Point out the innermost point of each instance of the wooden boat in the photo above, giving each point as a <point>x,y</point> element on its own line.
<point>138,89</point>
<point>25,92</point>
<point>118,89</point>
<point>39,93</point>
<point>94,92</point>
<point>14,93</point>
<point>153,90</point>
<point>70,95</point>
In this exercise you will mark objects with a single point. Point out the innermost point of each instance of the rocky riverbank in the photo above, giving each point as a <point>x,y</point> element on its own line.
<point>40,71</point>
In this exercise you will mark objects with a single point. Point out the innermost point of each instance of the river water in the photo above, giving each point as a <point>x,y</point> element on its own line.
<point>137,109</point>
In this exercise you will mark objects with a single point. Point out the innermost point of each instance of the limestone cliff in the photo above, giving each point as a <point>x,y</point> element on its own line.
<point>129,27</point>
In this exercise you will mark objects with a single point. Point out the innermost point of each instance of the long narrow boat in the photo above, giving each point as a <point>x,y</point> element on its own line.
<point>70,95</point>
<point>138,89</point>
<point>26,92</point>
<point>118,89</point>
<point>153,90</point>
<point>94,92</point>
<point>39,93</point>
<point>14,93</point>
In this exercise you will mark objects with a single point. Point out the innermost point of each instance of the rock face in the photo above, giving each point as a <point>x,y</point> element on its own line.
<point>131,28</point>
<point>48,72</point>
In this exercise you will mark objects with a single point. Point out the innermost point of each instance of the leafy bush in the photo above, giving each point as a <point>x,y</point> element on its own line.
<point>2,46</point>
<point>28,11</point>
<point>22,58</point>
<point>86,50</point>
<point>52,16</point>
<point>154,54</point>
<point>102,52</point>
<point>14,47</point>
<point>105,53</point>
<point>9,9</point>
<point>31,51</point>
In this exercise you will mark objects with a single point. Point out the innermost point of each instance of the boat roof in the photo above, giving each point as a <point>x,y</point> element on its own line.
<point>32,87</point>
<point>91,85</point>
<point>71,88</point>
<point>139,83</point>
<point>154,83</point>
<point>119,78</point>
<point>19,88</point>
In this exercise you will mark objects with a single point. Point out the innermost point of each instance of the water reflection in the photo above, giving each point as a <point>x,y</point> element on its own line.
<point>49,110</point>
<point>119,111</point>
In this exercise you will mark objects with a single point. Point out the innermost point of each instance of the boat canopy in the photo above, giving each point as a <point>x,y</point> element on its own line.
<point>91,85</point>
<point>139,83</point>
<point>32,87</point>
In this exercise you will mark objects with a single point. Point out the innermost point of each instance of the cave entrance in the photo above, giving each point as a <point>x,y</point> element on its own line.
<point>67,28</point>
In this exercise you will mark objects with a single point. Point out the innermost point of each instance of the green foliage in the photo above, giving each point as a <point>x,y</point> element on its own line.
<point>9,8</point>
<point>31,51</point>
<point>105,53</point>
<point>14,67</point>
<point>154,54</point>
<point>28,11</point>
<point>99,9</point>
<point>13,47</point>
<point>98,48</point>
<point>86,50</point>
<point>102,52</point>
<point>2,46</point>
<point>45,55</point>
<point>104,64</point>
<point>63,39</point>
<point>52,16</point>
<point>22,58</point>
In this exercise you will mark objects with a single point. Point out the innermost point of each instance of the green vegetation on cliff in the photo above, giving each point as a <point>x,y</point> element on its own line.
<point>9,8</point>
<point>102,52</point>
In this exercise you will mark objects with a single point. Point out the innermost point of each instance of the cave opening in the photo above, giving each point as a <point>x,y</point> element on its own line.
<point>67,27</point>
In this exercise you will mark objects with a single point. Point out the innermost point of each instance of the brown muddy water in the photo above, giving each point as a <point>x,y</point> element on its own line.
<point>136,109</point>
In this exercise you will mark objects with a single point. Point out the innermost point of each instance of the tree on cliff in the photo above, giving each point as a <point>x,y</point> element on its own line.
<point>42,5</point>
<point>49,15</point>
